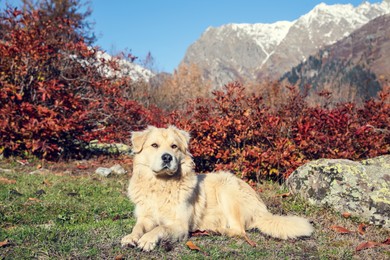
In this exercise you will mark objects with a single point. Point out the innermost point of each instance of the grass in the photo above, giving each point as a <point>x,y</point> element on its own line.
<point>68,212</point>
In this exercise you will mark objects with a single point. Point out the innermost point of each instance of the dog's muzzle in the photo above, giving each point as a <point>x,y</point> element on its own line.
<point>168,165</point>
<point>166,160</point>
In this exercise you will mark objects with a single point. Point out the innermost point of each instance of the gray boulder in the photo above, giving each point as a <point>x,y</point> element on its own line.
<point>104,172</point>
<point>116,169</point>
<point>360,188</point>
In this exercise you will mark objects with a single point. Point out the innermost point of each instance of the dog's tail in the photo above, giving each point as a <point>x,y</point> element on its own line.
<point>283,227</point>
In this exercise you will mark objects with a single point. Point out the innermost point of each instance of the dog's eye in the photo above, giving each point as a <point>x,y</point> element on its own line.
<point>155,145</point>
<point>174,146</point>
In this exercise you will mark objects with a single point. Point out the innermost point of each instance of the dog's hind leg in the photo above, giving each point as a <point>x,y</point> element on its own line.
<point>234,217</point>
<point>232,214</point>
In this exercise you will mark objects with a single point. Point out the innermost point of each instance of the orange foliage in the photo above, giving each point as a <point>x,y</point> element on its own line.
<point>54,97</point>
<point>185,83</point>
<point>237,132</point>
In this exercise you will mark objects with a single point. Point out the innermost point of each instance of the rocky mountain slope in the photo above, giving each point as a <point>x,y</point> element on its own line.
<point>251,52</point>
<point>353,69</point>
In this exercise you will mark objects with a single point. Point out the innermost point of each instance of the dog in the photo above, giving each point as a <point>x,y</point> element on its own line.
<point>171,200</point>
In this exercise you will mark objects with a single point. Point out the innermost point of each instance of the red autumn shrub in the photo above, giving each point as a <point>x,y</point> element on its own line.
<point>54,97</point>
<point>237,132</point>
<point>345,131</point>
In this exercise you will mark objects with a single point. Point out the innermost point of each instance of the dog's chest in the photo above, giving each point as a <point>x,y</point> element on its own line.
<point>163,196</point>
<point>159,193</point>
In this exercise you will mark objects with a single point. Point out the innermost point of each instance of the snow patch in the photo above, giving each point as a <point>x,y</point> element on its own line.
<point>126,68</point>
<point>265,35</point>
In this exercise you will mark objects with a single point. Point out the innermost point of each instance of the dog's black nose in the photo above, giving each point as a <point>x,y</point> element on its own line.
<point>167,158</point>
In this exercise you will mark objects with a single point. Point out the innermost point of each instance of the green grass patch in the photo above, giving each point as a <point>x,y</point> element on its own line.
<point>57,215</point>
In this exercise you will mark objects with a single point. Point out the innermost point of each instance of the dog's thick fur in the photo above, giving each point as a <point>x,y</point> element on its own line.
<point>171,200</point>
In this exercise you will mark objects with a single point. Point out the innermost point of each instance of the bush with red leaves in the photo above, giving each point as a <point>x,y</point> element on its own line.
<point>236,132</point>
<point>54,97</point>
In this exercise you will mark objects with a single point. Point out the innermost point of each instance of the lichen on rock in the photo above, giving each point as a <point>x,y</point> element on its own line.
<point>361,188</point>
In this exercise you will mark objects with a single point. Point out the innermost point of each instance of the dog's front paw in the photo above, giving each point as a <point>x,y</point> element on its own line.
<point>129,240</point>
<point>147,242</point>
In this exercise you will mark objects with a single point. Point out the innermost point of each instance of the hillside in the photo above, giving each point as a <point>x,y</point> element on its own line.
<point>250,52</point>
<point>353,69</point>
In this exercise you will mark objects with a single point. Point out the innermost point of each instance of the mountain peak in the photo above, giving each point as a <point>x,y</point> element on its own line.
<point>328,8</point>
<point>323,13</point>
<point>257,51</point>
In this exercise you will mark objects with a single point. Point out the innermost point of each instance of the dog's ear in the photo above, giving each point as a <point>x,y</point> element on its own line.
<point>138,138</point>
<point>183,136</point>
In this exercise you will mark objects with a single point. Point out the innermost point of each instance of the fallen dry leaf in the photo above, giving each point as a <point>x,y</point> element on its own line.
<point>387,241</point>
<point>6,181</point>
<point>119,257</point>
<point>346,215</point>
<point>372,244</point>
<point>30,201</point>
<point>249,241</point>
<point>199,233</point>
<point>192,246</point>
<point>366,245</point>
<point>284,195</point>
<point>33,200</point>
<point>4,243</point>
<point>340,230</point>
<point>362,229</point>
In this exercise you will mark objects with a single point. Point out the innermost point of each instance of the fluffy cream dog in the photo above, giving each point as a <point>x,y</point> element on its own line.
<point>171,200</point>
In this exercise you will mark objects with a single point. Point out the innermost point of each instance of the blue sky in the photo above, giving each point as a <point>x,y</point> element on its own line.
<point>166,28</point>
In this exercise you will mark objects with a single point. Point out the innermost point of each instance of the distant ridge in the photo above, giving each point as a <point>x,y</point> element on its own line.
<point>250,52</point>
<point>353,69</point>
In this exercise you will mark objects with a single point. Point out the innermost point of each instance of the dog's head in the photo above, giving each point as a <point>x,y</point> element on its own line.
<point>163,150</point>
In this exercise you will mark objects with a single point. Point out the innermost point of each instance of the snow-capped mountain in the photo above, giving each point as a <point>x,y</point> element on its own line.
<point>265,51</point>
